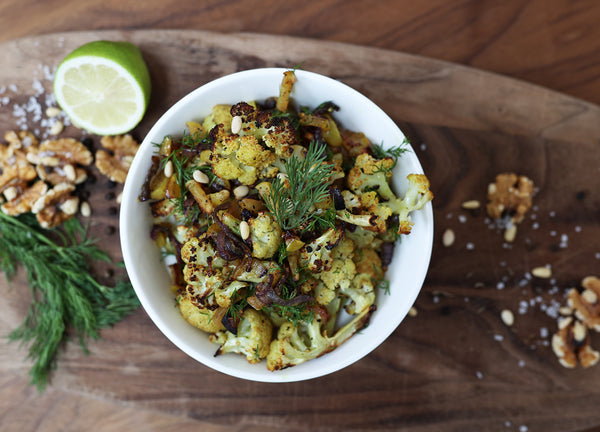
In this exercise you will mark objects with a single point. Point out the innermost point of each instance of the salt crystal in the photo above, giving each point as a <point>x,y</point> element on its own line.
<point>462,218</point>
<point>577,228</point>
<point>500,285</point>
<point>479,375</point>
<point>544,332</point>
<point>498,337</point>
<point>470,246</point>
<point>523,428</point>
<point>13,88</point>
<point>423,147</point>
<point>535,225</point>
<point>521,363</point>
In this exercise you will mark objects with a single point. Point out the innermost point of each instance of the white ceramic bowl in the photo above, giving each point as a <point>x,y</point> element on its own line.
<point>151,280</point>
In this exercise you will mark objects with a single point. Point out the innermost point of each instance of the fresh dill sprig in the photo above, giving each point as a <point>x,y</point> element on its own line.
<point>393,152</point>
<point>308,180</point>
<point>64,293</point>
<point>321,221</point>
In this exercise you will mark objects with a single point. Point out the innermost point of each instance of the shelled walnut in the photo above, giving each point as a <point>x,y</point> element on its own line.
<point>116,165</point>
<point>28,169</point>
<point>586,304</point>
<point>61,160</point>
<point>509,197</point>
<point>571,343</point>
<point>23,203</point>
<point>56,205</point>
<point>15,169</point>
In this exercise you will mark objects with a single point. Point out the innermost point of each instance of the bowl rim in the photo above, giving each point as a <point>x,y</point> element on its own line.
<point>130,199</point>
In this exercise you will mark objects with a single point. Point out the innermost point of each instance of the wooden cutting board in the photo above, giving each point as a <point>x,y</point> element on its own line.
<point>455,366</point>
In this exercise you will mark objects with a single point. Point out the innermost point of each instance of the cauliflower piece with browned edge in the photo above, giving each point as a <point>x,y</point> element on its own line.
<point>265,233</point>
<point>253,338</point>
<point>304,341</point>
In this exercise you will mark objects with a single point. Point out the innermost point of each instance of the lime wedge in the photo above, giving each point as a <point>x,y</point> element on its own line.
<point>104,87</point>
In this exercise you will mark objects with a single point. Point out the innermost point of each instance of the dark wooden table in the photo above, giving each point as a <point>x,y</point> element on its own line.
<point>456,365</point>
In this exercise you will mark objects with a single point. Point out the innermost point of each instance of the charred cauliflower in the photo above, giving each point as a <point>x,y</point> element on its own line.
<point>253,338</point>
<point>278,224</point>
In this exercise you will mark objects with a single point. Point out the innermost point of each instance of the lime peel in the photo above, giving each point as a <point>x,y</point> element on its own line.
<point>104,87</point>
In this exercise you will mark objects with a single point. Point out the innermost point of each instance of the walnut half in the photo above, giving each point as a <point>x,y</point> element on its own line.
<point>571,343</point>
<point>116,165</point>
<point>56,205</point>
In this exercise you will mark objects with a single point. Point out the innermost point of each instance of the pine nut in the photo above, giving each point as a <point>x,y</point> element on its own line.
<point>168,170</point>
<point>471,205</point>
<point>70,206</point>
<point>579,331</point>
<point>236,124</point>
<point>244,230</point>
<point>85,209</point>
<point>589,296</point>
<point>241,191</point>
<point>70,173</point>
<point>200,177</point>
<point>10,193</point>
<point>56,128</point>
<point>53,111</point>
<point>510,233</point>
<point>412,312</point>
<point>507,317</point>
<point>542,272</point>
<point>119,198</point>
<point>448,238</point>
<point>565,310</point>
<point>564,322</point>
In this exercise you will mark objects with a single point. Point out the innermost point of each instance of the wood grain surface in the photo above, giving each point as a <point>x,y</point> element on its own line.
<point>455,366</point>
<point>553,43</point>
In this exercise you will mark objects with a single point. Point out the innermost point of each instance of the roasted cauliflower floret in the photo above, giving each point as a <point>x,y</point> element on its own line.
<point>360,293</point>
<point>276,132</point>
<point>265,233</point>
<point>368,262</point>
<point>342,267</point>
<point>417,195</point>
<point>369,173</point>
<point>237,157</point>
<point>368,179</point>
<point>253,338</point>
<point>199,317</point>
<point>220,115</point>
<point>316,255</point>
<point>306,341</point>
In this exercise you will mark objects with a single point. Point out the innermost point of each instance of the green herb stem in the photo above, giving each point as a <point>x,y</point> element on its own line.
<point>64,293</point>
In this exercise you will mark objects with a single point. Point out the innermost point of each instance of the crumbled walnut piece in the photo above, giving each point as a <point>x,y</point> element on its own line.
<point>510,195</point>
<point>23,202</point>
<point>585,304</point>
<point>116,166</point>
<point>15,169</point>
<point>571,344</point>
<point>21,140</point>
<point>55,206</point>
<point>61,160</point>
